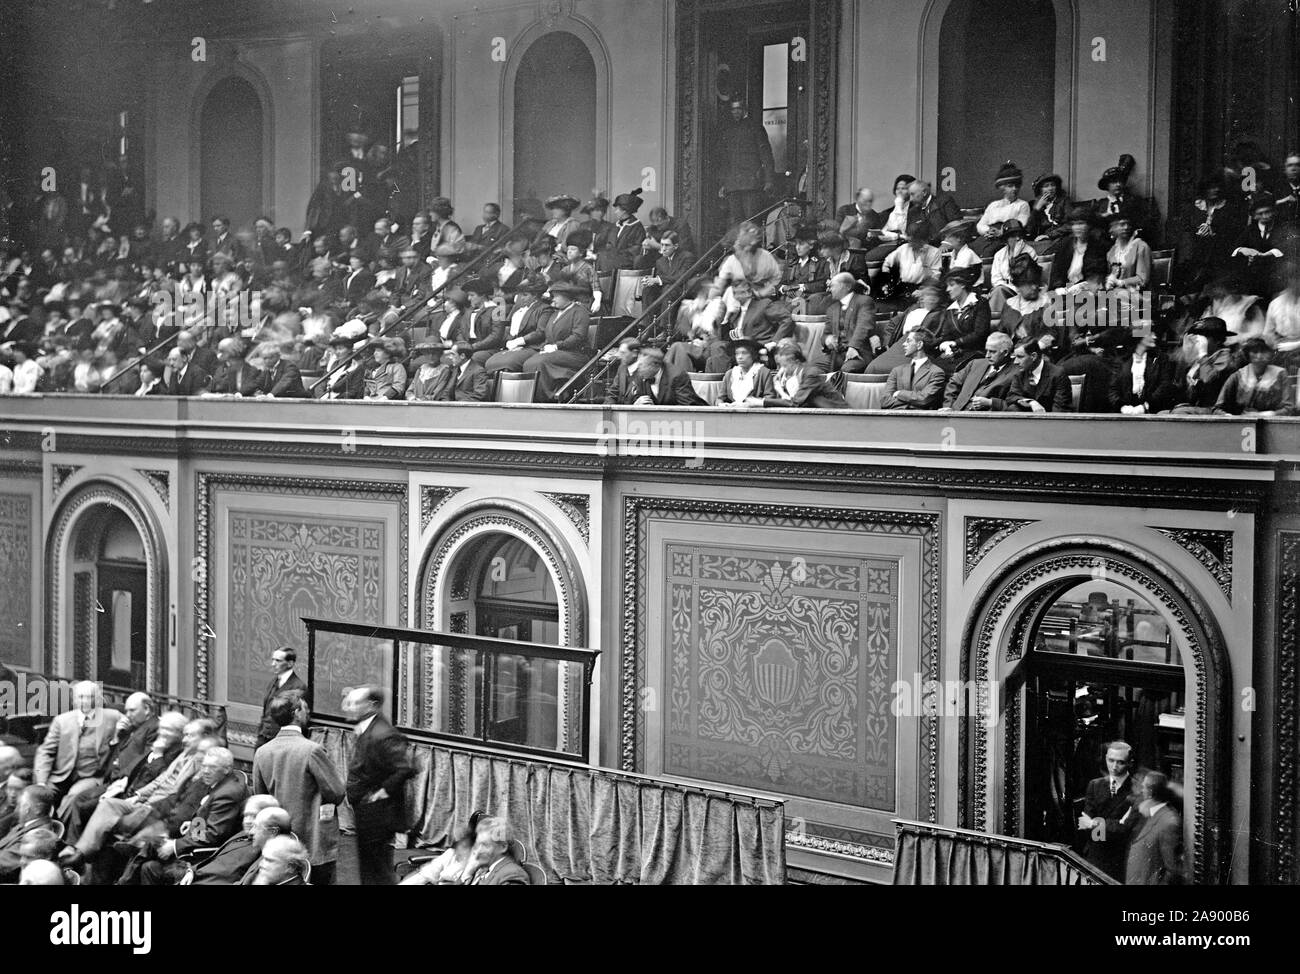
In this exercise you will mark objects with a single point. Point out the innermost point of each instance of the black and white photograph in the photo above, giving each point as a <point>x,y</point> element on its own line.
<point>650,442</point>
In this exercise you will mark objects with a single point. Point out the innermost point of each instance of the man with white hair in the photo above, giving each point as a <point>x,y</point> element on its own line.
<point>235,376</point>
<point>71,758</point>
<point>263,818</point>
<point>218,818</point>
<point>42,872</point>
<point>284,862</point>
<point>136,733</point>
<point>491,858</point>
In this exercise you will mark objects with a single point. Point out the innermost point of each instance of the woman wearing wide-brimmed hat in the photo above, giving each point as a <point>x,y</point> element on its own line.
<point>629,232</point>
<point>1009,206</point>
<point>1142,211</point>
<point>1083,242</point>
<point>748,378</point>
<point>564,342</point>
<point>1015,245</point>
<point>560,221</point>
<point>1048,226</point>
<point>578,268</point>
<point>1213,362</point>
<point>1259,387</point>
<point>386,378</point>
<point>966,322</point>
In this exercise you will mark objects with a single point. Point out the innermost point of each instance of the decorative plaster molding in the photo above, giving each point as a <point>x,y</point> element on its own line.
<point>577,508</point>
<point>983,534</point>
<point>1213,549</point>
<point>59,474</point>
<point>432,498</point>
<point>160,481</point>
<point>818,843</point>
<point>1288,696</point>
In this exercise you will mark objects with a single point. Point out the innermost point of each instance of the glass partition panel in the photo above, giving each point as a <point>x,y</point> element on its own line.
<point>448,689</point>
<point>343,661</point>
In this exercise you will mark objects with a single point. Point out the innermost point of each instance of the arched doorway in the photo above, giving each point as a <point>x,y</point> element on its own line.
<point>555,121</point>
<point>1102,666</point>
<point>499,572</point>
<point>230,152</point>
<point>105,620</point>
<point>995,102</point>
<point>1081,642</point>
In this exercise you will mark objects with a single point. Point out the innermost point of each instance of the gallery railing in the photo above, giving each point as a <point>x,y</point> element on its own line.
<point>500,693</point>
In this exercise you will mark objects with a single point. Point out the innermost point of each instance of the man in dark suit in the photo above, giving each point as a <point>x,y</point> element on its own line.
<point>280,379</point>
<point>983,384</point>
<point>1263,248</point>
<point>234,376</point>
<point>918,383</point>
<point>35,805</point>
<point>223,241</point>
<point>469,379</point>
<point>411,282</point>
<point>836,258</point>
<point>857,219</point>
<point>217,818</point>
<point>229,864</point>
<point>183,378</point>
<point>376,784</point>
<point>937,211</point>
<point>745,165</point>
<point>760,319</point>
<point>650,383</point>
<point>1155,854</point>
<point>1108,814</point>
<point>359,282</point>
<point>285,680</point>
<point>483,327</point>
<point>1038,386</point>
<point>851,339</point>
<point>135,737</point>
<point>491,860</point>
<point>489,232</point>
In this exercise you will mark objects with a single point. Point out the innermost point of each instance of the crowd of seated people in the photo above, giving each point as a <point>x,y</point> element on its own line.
<point>367,306</point>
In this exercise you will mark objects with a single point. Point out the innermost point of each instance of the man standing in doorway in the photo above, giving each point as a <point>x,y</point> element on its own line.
<point>1108,813</point>
<point>745,164</point>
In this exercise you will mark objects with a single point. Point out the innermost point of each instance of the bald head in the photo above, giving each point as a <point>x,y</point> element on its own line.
<point>42,872</point>
<point>9,759</point>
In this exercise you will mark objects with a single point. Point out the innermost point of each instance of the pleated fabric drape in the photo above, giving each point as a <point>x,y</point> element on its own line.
<point>928,858</point>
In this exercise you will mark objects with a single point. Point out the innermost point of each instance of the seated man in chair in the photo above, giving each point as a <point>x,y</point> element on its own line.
<point>492,862</point>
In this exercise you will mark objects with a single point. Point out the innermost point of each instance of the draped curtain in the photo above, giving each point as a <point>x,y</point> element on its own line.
<point>931,856</point>
<point>590,825</point>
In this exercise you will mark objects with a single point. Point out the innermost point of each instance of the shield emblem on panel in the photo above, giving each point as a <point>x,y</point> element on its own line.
<point>776,674</point>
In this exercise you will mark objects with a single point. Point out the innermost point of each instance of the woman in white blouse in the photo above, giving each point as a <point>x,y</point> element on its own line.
<point>746,379</point>
<point>452,867</point>
<point>1008,207</point>
<point>1013,232</point>
<point>894,231</point>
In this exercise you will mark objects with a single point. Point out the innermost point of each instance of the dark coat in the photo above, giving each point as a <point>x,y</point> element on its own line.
<point>675,389</point>
<point>814,392</point>
<point>976,378</point>
<point>1158,388</point>
<point>250,380</point>
<point>1155,854</point>
<point>131,749</point>
<point>219,816</point>
<point>267,728</point>
<point>472,384</point>
<point>1120,816</point>
<point>969,328</point>
<point>937,212</point>
<point>227,866</point>
<point>744,156</point>
<point>765,321</point>
<point>194,381</point>
<point>1052,390</point>
<point>379,761</point>
<point>284,381</point>
<point>854,329</point>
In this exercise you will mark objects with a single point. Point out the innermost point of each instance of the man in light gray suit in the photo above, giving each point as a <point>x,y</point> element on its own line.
<point>71,758</point>
<point>298,772</point>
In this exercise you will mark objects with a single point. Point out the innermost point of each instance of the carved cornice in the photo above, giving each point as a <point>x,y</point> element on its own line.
<point>432,498</point>
<point>983,534</point>
<point>1097,487</point>
<point>825,68</point>
<point>1288,703</point>
<point>1213,549</point>
<point>1059,559</point>
<point>206,486</point>
<point>637,511</point>
<point>160,481</point>
<point>577,508</point>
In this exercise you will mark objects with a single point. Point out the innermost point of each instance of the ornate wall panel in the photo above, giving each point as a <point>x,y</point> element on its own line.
<point>285,567</point>
<point>760,647</point>
<point>1288,697</point>
<point>16,571</point>
<point>779,675</point>
<point>286,564</point>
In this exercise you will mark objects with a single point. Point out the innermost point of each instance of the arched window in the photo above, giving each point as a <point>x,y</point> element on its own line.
<point>554,121</point>
<point>997,91</point>
<point>230,152</point>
